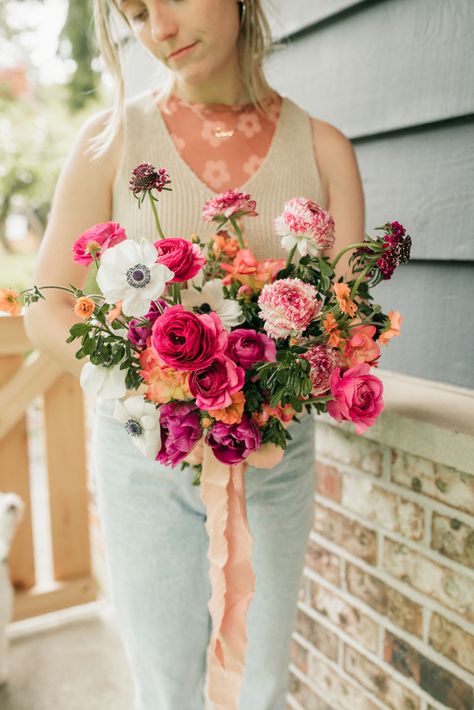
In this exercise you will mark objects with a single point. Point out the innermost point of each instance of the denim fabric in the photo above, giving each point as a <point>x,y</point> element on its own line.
<point>156,551</point>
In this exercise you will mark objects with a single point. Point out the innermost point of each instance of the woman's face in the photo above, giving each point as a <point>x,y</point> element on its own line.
<point>196,39</point>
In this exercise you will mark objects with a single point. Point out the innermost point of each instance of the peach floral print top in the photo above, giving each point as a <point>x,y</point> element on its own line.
<point>223,145</point>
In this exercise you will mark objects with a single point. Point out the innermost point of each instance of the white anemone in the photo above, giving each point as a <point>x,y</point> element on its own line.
<point>128,272</point>
<point>142,423</point>
<point>105,382</point>
<point>212,294</point>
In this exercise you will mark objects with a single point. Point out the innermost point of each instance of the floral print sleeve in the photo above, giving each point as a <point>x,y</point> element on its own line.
<point>223,145</point>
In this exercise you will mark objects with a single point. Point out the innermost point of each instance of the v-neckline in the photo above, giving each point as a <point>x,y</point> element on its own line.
<point>245,187</point>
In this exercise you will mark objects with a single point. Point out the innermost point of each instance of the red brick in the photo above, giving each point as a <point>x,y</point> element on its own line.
<point>338,691</point>
<point>328,481</point>
<point>387,601</point>
<point>453,539</point>
<point>338,445</point>
<point>432,678</point>
<point>377,680</point>
<point>299,656</point>
<point>443,483</point>
<point>345,616</point>
<point>453,589</point>
<point>321,638</point>
<point>347,533</point>
<point>305,696</point>
<point>323,562</point>
<point>452,641</point>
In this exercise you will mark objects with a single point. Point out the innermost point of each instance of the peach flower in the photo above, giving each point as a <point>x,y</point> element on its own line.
<point>225,244</point>
<point>164,383</point>
<point>233,413</point>
<point>342,292</point>
<point>360,346</point>
<point>394,329</point>
<point>330,327</point>
<point>84,307</point>
<point>284,413</point>
<point>114,312</point>
<point>9,302</point>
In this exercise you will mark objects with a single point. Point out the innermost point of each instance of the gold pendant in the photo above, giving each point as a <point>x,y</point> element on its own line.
<point>222,133</point>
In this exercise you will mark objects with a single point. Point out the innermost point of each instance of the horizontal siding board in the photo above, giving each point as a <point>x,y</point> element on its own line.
<point>426,181</point>
<point>394,64</point>
<point>287,18</point>
<point>437,338</point>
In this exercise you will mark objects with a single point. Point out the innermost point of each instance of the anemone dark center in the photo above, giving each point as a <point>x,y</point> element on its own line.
<point>138,276</point>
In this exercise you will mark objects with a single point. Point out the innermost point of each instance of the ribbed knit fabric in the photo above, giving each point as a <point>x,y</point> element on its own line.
<point>289,170</point>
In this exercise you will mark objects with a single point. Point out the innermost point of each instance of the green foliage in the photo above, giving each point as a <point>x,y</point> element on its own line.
<point>287,379</point>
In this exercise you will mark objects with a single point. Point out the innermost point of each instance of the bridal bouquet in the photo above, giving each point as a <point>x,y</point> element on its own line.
<point>230,349</point>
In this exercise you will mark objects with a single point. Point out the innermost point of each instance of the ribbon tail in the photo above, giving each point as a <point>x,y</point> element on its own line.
<point>231,575</point>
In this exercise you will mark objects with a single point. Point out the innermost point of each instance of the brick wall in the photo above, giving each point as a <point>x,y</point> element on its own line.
<point>386,611</point>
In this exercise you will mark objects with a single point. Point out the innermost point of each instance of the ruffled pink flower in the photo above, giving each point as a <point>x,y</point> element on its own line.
<point>360,347</point>
<point>305,224</point>
<point>288,306</point>
<point>357,396</point>
<point>232,443</point>
<point>246,347</point>
<point>184,258</point>
<point>212,386</point>
<point>96,240</point>
<point>322,360</point>
<point>186,340</point>
<point>180,431</point>
<point>229,204</point>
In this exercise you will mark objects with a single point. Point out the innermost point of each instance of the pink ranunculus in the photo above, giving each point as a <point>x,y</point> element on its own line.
<point>357,396</point>
<point>184,258</point>
<point>213,385</point>
<point>186,340</point>
<point>96,240</point>
<point>288,306</point>
<point>361,347</point>
<point>232,443</point>
<point>229,204</point>
<point>303,218</point>
<point>246,347</point>
<point>322,360</point>
<point>180,431</point>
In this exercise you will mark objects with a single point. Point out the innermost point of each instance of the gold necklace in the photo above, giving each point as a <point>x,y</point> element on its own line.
<point>219,131</point>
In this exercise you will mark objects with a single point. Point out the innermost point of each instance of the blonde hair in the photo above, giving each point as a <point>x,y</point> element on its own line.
<point>254,42</point>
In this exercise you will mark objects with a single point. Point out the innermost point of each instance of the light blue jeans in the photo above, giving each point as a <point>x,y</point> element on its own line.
<point>156,551</point>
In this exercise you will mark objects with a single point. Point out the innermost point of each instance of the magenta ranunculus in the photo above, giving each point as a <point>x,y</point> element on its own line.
<point>139,334</point>
<point>229,204</point>
<point>232,443</point>
<point>180,430</point>
<point>357,396</point>
<point>288,306</point>
<point>184,258</point>
<point>212,386</point>
<point>186,340</point>
<point>246,347</point>
<point>96,240</point>
<point>323,360</point>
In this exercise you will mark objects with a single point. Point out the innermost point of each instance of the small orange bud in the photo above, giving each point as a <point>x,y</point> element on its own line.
<point>84,307</point>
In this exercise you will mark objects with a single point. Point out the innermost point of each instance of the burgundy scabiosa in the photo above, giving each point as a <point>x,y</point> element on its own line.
<point>146,178</point>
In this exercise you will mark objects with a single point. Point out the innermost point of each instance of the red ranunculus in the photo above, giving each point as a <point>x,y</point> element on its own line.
<point>246,347</point>
<point>213,385</point>
<point>184,258</point>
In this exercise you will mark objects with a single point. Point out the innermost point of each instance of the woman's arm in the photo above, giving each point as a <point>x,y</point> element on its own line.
<point>83,197</point>
<point>342,187</point>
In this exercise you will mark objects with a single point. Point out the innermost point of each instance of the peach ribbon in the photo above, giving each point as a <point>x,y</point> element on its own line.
<point>232,578</point>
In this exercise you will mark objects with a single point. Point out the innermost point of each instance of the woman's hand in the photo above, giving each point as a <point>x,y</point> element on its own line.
<point>267,456</point>
<point>195,456</point>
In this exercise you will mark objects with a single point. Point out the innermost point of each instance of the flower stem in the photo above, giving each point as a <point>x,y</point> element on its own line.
<point>290,256</point>
<point>351,246</point>
<point>237,229</point>
<point>176,292</point>
<point>155,215</point>
<point>359,280</point>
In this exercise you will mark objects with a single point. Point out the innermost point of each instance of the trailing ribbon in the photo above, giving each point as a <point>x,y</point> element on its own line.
<point>232,578</point>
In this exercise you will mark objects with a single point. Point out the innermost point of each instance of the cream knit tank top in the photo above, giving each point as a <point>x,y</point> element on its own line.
<point>288,170</point>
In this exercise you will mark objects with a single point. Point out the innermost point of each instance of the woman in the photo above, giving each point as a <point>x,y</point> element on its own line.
<point>220,125</point>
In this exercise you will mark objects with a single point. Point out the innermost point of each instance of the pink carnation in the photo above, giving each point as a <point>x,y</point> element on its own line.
<point>96,240</point>
<point>357,396</point>
<point>305,224</point>
<point>288,306</point>
<point>229,204</point>
<point>184,258</point>
<point>322,360</point>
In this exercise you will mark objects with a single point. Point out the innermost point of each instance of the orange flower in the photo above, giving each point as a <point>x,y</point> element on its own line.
<point>284,413</point>
<point>114,312</point>
<point>248,271</point>
<point>9,302</point>
<point>225,244</point>
<point>233,413</point>
<point>342,292</point>
<point>330,327</point>
<point>84,307</point>
<point>164,383</point>
<point>394,328</point>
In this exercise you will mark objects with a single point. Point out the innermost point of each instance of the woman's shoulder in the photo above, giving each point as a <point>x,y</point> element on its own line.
<point>333,151</point>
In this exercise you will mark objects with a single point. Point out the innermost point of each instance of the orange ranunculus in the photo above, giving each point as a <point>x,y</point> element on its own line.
<point>394,328</point>
<point>114,312</point>
<point>225,244</point>
<point>233,413</point>
<point>284,413</point>
<point>342,292</point>
<point>360,346</point>
<point>84,307</point>
<point>9,302</point>
<point>247,270</point>
<point>330,327</point>
<point>166,383</point>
